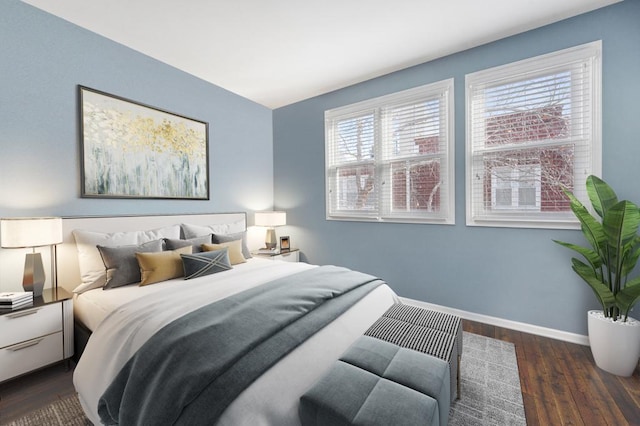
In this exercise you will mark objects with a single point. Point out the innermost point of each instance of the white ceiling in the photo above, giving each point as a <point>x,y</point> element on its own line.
<point>277,52</point>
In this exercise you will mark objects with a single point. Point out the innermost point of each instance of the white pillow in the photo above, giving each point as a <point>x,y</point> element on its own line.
<point>192,231</point>
<point>92,269</point>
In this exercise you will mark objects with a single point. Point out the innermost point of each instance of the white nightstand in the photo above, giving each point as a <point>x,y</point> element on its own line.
<point>292,255</point>
<point>36,336</point>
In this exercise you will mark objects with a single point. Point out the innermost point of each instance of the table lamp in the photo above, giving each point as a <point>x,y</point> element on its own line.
<point>31,232</point>
<point>270,219</point>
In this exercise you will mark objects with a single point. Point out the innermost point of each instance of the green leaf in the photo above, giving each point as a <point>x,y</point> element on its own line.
<point>591,256</point>
<point>601,195</point>
<point>631,259</point>
<point>620,224</point>
<point>628,296</point>
<point>591,228</point>
<point>601,290</point>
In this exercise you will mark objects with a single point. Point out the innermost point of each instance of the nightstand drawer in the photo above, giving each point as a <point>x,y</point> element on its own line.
<point>288,257</point>
<point>28,324</point>
<point>26,356</point>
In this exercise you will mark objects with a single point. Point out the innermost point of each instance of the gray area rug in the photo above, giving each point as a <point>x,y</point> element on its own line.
<point>65,412</point>
<point>490,386</point>
<point>490,393</point>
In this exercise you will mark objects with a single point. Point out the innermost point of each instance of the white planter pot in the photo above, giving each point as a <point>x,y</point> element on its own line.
<point>615,345</point>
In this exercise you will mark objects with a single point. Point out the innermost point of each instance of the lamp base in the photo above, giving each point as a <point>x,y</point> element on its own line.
<point>270,239</point>
<point>33,279</point>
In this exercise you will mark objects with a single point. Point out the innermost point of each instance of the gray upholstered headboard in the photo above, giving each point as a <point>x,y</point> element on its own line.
<point>68,271</point>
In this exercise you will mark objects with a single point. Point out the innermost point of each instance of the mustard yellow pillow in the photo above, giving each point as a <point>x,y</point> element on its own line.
<point>161,266</point>
<point>234,247</point>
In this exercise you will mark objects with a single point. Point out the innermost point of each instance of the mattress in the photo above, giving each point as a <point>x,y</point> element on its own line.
<point>120,327</point>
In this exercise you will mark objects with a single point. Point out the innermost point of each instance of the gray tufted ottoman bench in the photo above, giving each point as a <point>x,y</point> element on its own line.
<point>377,383</point>
<point>436,333</point>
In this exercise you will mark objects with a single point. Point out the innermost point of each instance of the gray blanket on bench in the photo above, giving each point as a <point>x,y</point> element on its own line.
<point>193,368</point>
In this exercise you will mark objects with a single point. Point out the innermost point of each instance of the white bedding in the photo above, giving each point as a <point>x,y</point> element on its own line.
<point>124,318</point>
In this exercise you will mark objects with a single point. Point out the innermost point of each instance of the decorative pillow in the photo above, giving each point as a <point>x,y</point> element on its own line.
<point>206,263</point>
<point>92,269</point>
<point>161,266</point>
<point>195,243</point>
<point>191,231</point>
<point>121,263</point>
<point>235,250</point>
<point>219,238</point>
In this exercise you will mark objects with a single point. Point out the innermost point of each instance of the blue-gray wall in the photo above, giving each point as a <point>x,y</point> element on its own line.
<point>514,274</point>
<point>42,60</point>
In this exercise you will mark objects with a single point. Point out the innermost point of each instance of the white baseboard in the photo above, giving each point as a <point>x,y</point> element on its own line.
<point>500,322</point>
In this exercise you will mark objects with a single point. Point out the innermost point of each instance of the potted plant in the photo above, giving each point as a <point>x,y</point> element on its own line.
<point>614,250</point>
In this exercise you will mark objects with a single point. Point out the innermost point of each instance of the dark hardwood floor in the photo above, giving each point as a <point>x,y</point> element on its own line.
<point>32,391</point>
<point>560,384</point>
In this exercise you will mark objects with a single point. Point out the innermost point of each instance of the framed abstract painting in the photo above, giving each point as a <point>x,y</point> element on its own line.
<point>132,150</point>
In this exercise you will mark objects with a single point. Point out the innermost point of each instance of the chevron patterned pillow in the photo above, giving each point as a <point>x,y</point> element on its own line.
<point>205,263</point>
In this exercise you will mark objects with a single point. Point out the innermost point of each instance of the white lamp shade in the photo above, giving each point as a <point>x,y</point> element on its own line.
<point>30,232</point>
<point>270,218</point>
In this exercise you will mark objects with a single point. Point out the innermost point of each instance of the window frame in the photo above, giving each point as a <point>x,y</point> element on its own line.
<point>532,68</point>
<point>383,211</point>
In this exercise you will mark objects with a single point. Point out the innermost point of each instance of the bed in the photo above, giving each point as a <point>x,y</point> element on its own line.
<point>124,319</point>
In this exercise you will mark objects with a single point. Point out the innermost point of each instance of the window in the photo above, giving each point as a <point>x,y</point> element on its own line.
<point>391,158</point>
<point>533,128</point>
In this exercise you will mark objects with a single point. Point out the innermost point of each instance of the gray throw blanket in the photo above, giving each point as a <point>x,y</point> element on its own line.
<point>193,368</point>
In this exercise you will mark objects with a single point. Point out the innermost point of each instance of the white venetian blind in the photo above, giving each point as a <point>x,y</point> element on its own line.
<point>415,148</point>
<point>532,130</point>
<point>350,158</point>
<point>390,158</point>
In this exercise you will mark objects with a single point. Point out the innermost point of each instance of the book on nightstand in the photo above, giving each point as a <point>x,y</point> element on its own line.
<point>15,299</point>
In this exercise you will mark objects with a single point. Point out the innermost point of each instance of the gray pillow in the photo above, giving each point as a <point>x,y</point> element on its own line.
<point>225,238</point>
<point>205,263</point>
<point>121,263</point>
<point>220,235</point>
<point>195,243</point>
